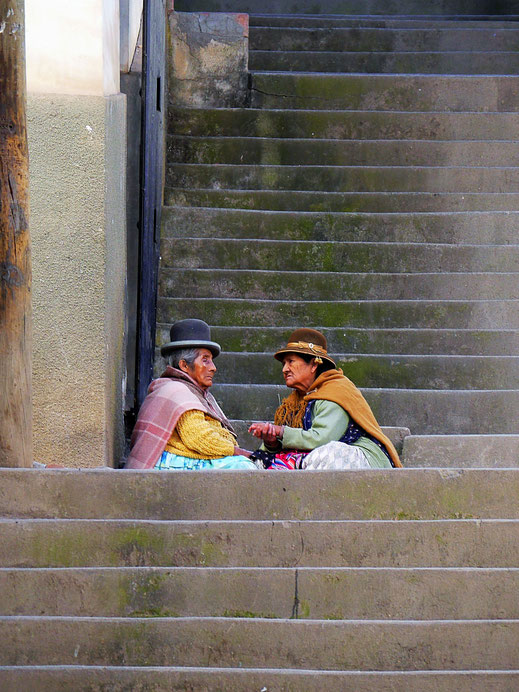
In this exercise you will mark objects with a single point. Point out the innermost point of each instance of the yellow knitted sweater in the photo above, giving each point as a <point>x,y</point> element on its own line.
<point>198,436</point>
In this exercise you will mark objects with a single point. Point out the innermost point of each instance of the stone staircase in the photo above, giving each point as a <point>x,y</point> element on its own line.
<point>371,190</point>
<point>380,207</point>
<point>372,580</point>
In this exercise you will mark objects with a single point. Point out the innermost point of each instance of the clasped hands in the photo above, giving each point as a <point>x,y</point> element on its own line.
<point>268,432</point>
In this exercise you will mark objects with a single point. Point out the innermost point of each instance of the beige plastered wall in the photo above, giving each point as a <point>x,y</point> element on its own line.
<point>77,149</point>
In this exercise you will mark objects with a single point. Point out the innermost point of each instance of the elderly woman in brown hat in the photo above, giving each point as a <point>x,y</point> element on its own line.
<point>180,426</point>
<point>325,423</point>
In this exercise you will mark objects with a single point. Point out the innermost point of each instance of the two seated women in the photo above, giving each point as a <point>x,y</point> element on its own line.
<point>325,423</point>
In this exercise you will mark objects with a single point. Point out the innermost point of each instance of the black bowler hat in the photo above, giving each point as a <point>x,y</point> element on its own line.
<point>190,334</point>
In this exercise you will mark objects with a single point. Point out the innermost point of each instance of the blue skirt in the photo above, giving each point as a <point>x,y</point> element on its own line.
<point>174,462</point>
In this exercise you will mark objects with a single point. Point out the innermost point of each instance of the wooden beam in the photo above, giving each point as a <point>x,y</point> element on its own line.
<point>15,263</point>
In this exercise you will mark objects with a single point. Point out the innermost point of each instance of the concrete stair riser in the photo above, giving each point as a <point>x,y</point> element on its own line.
<point>390,39</point>
<point>448,314</point>
<point>274,151</point>
<point>117,543</point>
<point>388,202</point>
<point>393,371</point>
<point>495,228</point>
<point>417,341</point>
<point>454,63</point>
<point>421,410</point>
<point>302,593</point>
<point>348,124</point>
<point>344,178</point>
<point>227,642</point>
<point>307,256</point>
<point>474,451</point>
<point>295,21</point>
<point>385,92</point>
<point>360,495</point>
<point>179,679</point>
<point>238,283</point>
<point>388,8</point>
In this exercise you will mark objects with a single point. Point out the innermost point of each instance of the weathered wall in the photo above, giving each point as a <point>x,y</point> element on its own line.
<point>76,146</point>
<point>208,59</point>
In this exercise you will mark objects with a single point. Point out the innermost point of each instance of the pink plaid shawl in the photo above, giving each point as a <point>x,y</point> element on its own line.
<point>168,398</point>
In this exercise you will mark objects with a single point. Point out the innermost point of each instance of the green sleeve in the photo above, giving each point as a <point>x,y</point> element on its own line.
<point>329,422</point>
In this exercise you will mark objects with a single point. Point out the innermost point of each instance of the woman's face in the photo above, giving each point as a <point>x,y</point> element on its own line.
<point>298,373</point>
<point>202,369</point>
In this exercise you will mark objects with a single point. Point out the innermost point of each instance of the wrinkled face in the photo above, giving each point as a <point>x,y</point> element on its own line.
<point>297,372</point>
<point>203,369</point>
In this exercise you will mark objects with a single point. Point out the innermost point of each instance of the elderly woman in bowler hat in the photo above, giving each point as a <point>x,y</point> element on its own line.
<point>180,426</point>
<point>325,423</point>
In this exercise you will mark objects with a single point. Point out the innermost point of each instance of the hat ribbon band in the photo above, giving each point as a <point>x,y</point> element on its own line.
<point>304,344</point>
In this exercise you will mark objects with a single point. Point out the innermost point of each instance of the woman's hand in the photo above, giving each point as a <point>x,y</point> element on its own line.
<point>268,432</point>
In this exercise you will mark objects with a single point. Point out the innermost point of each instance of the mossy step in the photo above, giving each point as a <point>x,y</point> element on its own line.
<point>446,38</point>
<point>246,642</point>
<point>361,340</point>
<point>494,228</point>
<point>422,411</point>
<point>295,200</point>
<point>444,63</point>
<point>331,152</point>
<point>387,371</point>
<point>385,92</point>
<point>404,540</point>
<point>327,256</point>
<point>295,285</point>
<point>322,593</point>
<point>178,679</point>
<point>392,494</point>
<point>417,314</point>
<point>461,451</point>
<point>345,124</point>
<point>294,21</point>
<point>386,8</point>
<point>319,178</point>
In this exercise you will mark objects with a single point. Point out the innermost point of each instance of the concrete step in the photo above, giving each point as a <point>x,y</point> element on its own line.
<point>386,8</point>
<point>442,39</point>
<point>421,410</point>
<point>235,642</point>
<point>360,340</point>
<point>445,38</point>
<point>293,285</point>
<point>179,679</point>
<point>343,178</point>
<point>303,593</point>
<point>294,21</point>
<point>331,152</point>
<point>393,371</point>
<point>413,494</point>
<point>482,451</point>
<point>329,256</point>
<point>247,441</point>
<point>342,124</point>
<point>384,92</point>
<point>375,202</point>
<point>477,228</point>
<point>400,542</point>
<point>415,314</point>
<point>444,63</point>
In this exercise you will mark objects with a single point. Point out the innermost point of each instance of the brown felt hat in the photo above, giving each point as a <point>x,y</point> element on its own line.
<point>308,341</point>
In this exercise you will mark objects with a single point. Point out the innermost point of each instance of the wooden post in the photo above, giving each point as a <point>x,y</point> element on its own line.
<point>15,263</point>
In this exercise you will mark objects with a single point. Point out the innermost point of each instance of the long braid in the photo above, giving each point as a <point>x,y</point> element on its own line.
<point>291,411</point>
